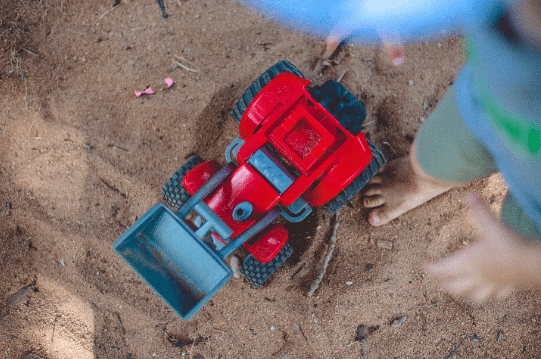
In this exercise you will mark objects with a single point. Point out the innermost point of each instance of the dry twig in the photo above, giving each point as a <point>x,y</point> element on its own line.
<point>178,64</point>
<point>459,344</point>
<point>330,251</point>
<point>341,76</point>
<point>120,322</point>
<point>108,11</point>
<point>300,332</point>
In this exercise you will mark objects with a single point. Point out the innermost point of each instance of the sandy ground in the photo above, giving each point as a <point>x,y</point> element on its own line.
<point>82,158</point>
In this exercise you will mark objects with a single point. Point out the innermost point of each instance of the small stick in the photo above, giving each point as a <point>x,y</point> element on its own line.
<point>162,8</point>
<point>108,11</point>
<point>342,76</point>
<point>120,148</point>
<point>388,144</point>
<point>319,278</point>
<point>30,52</point>
<point>54,327</point>
<point>178,64</point>
<point>368,123</point>
<point>299,330</point>
<point>191,350</point>
<point>459,344</point>
<point>120,322</point>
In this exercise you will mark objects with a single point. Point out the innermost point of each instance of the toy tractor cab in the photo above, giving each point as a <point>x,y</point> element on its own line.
<point>300,146</point>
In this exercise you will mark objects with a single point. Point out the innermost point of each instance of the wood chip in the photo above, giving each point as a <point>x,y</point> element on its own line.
<point>21,296</point>
<point>384,244</point>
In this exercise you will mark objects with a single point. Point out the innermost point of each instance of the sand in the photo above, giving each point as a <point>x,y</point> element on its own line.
<point>82,158</point>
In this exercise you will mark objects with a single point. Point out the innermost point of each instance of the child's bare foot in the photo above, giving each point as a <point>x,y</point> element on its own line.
<point>399,188</point>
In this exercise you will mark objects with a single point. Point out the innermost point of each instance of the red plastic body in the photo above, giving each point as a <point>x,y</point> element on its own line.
<point>325,157</point>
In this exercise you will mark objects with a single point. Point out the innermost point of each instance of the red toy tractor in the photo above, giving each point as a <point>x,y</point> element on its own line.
<point>300,146</point>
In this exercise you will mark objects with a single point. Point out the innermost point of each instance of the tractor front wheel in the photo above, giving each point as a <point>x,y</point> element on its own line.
<point>173,191</point>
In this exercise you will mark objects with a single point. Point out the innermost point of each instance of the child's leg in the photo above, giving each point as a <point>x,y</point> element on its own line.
<point>443,155</point>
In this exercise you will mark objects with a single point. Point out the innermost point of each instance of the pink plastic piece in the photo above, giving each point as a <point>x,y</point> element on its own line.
<point>148,91</point>
<point>169,82</point>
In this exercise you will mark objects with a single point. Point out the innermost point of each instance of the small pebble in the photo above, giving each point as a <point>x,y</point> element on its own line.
<point>362,332</point>
<point>411,83</point>
<point>399,321</point>
<point>349,283</point>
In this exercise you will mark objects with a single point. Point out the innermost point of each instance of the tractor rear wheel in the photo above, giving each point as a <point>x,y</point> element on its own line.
<point>341,104</point>
<point>257,86</point>
<point>257,273</point>
<point>378,160</point>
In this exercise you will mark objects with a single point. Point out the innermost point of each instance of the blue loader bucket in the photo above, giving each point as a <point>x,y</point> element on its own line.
<point>178,265</point>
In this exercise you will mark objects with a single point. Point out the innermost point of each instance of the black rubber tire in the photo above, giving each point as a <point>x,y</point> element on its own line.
<point>341,104</point>
<point>378,160</point>
<point>257,273</point>
<point>257,86</point>
<point>173,191</point>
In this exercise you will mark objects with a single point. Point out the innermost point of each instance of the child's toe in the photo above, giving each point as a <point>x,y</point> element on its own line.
<point>377,217</point>
<point>374,201</point>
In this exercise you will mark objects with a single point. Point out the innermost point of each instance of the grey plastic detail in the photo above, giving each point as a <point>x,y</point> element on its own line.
<point>298,211</point>
<point>271,169</point>
<point>233,149</point>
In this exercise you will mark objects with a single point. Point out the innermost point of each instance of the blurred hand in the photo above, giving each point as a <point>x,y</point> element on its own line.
<point>498,262</point>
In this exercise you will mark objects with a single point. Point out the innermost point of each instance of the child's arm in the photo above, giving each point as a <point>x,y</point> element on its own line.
<point>500,261</point>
